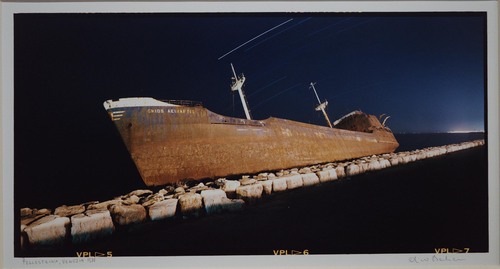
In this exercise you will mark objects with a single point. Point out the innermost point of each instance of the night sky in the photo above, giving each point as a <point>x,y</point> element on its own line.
<point>425,70</point>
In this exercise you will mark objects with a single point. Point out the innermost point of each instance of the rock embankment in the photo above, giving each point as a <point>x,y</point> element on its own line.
<point>90,221</point>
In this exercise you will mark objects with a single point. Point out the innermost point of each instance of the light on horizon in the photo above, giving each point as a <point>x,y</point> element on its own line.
<point>465,131</point>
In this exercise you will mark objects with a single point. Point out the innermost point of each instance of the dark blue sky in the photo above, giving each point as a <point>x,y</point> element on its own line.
<point>425,70</point>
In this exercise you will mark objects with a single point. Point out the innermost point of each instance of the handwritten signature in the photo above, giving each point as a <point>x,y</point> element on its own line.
<point>435,259</point>
<point>57,261</point>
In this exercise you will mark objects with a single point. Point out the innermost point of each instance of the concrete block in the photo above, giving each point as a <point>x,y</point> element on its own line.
<point>279,184</point>
<point>394,161</point>
<point>163,210</point>
<point>93,224</point>
<point>373,165</point>
<point>309,179</point>
<point>267,185</point>
<point>328,174</point>
<point>128,214</point>
<point>49,230</point>
<point>212,200</point>
<point>384,163</point>
<point>340,170</point>
<point>352,170</point>
<point>250,193</point>
<point>191,204</point>
<point>294,181</point>
<point>215,201</point>
<point>407,159</point>
<point>230,186</point>
<point>363,167</point>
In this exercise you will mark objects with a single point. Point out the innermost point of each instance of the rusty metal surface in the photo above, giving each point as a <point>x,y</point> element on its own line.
<point>176,143</point>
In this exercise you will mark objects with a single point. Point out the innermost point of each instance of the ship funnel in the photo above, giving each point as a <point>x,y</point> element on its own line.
<point>321,107</point>
<point>237,86</point>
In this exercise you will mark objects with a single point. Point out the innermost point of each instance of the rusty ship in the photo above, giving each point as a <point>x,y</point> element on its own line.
<point>170,141</point>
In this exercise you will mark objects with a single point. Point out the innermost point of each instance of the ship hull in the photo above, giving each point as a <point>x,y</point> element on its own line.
<point>172,143</point>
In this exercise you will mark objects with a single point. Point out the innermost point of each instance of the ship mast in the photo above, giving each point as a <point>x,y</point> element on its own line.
<point>321,106</point>
<point>237,86</point>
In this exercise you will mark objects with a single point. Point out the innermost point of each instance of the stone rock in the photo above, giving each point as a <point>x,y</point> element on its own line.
<point>294,181</point>
<point>104,205</point>
<point>198,188</point>
<point>373,165</point>
<point>93,224</point>
<point>309,179</point>
<point>34,215</point>
<point>24,240</point>
<point>340,170</point>
<point>169,189</point>
<point>394,161</point>
<point>407,159</point>
<point>26,212</point>
<point>140,193</point>
<point>250,193</point>
<point>179,190</point>
<point>48,230</point>
<point>328,174</point>
<point>262,176</point>
<point>363,167</point>
<point>352,170</point>
<point>67,211</point>
<point>215,201</point>
<point>27,220</point>
<point>151,199</point>
<point>271,176</point>
<point>279,184</point>
<point>267,186</point>
<point>127,214</point>
<point>133,199</point>
<point>384,163</point>
<point>191,204</point>
<point>163,210</point>
<point>247,181</point>
<point>212,200</point>
<point>305,170</point>
<point>43,211</point>
<point>163,192</point>
<point>230,186</point>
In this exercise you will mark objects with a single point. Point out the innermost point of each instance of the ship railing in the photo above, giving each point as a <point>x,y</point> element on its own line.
<point>184,102</point>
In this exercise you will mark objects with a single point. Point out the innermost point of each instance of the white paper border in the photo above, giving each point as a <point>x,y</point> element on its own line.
<point>7,133</point>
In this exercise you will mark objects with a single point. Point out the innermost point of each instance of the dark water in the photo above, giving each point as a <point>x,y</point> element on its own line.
<point>435,203</point>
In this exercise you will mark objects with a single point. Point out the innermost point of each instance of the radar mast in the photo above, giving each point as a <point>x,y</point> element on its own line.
<point>321,107</point>
<point>237,86</point>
